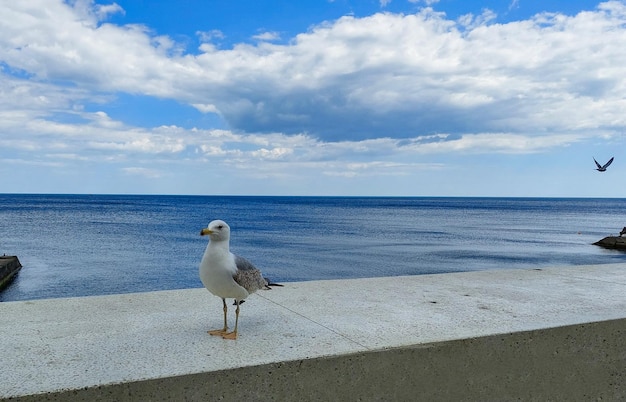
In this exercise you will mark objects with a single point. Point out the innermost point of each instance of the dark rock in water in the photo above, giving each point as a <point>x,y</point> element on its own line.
<point>9,265</point>
<point>612,242</point>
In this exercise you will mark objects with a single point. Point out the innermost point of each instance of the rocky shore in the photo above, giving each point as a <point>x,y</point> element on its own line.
<point>617,242</point>
<point>9,266</point>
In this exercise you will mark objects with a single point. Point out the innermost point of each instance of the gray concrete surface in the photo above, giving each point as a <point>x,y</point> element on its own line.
<point>505,334</point>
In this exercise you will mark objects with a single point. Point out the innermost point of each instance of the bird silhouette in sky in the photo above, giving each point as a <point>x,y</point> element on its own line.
<point>602,168</point>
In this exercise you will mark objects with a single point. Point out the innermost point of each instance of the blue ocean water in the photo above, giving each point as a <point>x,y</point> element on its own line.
<point>78,245</point>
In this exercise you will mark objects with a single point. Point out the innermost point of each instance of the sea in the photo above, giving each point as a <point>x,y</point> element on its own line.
<point>83,245</point>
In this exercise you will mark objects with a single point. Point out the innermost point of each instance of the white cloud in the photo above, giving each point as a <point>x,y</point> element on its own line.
<point>208,36</point>
<point>355,97</point>
<point>470,21</point>
<point>401,75</point>
<point>495,142</point>
<point>387,74</point>
<point>205,108</point>
<point>267,36</point>
<point>103,11</point>
<point>274,154</point>
<point>145,144</point>
<point>427,2</point>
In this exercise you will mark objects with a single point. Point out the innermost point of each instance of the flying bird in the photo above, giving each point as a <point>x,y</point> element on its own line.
<point>602,168</point>
<point>227,275</point>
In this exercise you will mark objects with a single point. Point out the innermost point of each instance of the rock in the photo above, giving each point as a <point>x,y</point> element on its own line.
<point>612,242</point>
<point>9,265</point>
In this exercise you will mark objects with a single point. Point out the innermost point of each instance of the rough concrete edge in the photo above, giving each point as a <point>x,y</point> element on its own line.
<point>575,362</point>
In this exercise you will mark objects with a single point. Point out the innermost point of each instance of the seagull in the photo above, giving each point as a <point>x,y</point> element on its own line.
<point>227,275</point>
<point>603,168</point>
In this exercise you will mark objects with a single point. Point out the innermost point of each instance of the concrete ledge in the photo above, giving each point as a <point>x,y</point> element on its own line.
<point>552,334</point>
<point>568,363</point>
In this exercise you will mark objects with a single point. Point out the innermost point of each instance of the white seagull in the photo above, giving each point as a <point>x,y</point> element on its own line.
<point>227,275</point>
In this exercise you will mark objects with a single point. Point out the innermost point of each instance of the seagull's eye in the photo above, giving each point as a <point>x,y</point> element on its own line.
<point>220,227</point>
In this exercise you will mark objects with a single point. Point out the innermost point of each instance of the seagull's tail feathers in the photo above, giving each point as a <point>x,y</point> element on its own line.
<point>270,284</point>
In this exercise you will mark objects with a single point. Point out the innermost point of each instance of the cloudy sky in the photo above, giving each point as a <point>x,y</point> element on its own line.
<point>315,97</point>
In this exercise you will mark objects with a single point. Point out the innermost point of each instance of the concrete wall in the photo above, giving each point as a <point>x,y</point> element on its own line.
<point>574,363</point>
<point>538,334</point>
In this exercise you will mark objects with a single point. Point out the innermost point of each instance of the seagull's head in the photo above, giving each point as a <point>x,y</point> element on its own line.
<point>217,230</point>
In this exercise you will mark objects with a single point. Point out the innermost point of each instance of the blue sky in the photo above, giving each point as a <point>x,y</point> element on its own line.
<point>417,98</point>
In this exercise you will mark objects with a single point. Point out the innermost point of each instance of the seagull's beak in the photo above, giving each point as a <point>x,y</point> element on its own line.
<point>205,231</point>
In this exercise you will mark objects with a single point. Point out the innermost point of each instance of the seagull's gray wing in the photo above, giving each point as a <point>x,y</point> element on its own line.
<point>248,276</point>
<point>606,165</point>
<point>244,265</point>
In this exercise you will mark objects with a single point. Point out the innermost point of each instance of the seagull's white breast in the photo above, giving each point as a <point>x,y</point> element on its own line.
<point>216,273</point>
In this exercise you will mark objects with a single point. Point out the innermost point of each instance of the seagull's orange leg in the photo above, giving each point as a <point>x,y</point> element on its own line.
<point>224,330</point>
<point>233,335</point>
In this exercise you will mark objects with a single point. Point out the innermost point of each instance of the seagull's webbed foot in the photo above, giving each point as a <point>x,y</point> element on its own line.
<point>230,335</point>
<point>219,332</point>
